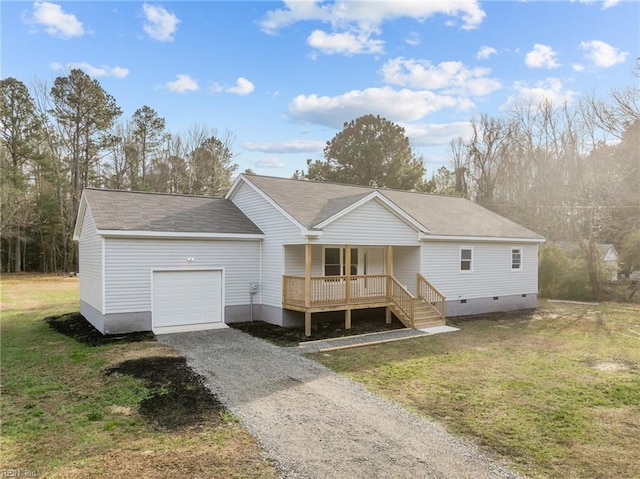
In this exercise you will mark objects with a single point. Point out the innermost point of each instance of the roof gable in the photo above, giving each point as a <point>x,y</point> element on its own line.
<point>378,197</point>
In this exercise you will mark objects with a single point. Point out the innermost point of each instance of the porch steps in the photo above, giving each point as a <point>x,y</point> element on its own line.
<point>424,316</point>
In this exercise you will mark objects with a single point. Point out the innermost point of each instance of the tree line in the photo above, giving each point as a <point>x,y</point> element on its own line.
<point>568,172</point>
<point>57,140</point>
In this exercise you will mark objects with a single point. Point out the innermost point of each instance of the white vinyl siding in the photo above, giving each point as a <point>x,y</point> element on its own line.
<point>491,270</point>
<point>406,265</point>
<point>369,224</point>
<point>278,230</point>
<point>90,252</point>
<point>129,263</point>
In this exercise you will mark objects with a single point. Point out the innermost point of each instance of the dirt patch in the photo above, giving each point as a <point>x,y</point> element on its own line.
<point>178,398</point>
<point>324,326</point>
<point>610,365</point>
<point>77,327</point>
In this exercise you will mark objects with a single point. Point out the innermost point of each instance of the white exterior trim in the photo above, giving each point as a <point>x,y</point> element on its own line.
<point>104,275</point>
<point>176,235</point>
<point>472,260</point>
<point>386,202</point>
<point>487,239</point>
<point>80,217</point>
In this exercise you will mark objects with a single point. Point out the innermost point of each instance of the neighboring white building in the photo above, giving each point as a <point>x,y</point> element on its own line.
<point>610,260</point>
<point>279,250</point>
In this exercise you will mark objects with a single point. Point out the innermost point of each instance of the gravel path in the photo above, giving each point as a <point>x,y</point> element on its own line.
<point>315,424</point>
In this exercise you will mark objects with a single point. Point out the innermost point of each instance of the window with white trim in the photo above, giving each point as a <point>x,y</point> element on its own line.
<point>334,261</point>
<point>466,260</point>
<point>516,259</point>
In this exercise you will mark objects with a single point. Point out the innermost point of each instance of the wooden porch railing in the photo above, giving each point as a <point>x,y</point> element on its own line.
<point>430,295</point>
<point>330,290</point>
<point>401,298</point>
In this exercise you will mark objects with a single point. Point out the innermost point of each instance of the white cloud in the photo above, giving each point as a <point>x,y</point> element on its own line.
<point>93,71</point>
<point>605,3</point>
<point>242,87</point>
<point>432,134</point>
<point>368,15</point>
<point>485,52</point>
<point>291,146</point>
<point>451,77</point>
<point>602,54</point>
<point>542,56</point>
<point>267,163</point>
<point>348,43</point>
<point>354,24</point>
<point>412,39</point>
<point>56,22</point>
<point>160,24</point>
<point>184,83</point>
<point>550,89</point>
<point>395,105</point>
<point>577,67</point>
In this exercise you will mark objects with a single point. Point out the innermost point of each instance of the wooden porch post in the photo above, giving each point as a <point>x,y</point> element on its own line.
<point>347,286</point>
<point>307,288</point>
<point>388,269</point>
<point>388,315</point>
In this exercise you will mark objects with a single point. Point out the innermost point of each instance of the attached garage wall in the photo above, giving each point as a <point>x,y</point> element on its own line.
<point>90,246</point>
<point>128,265</point>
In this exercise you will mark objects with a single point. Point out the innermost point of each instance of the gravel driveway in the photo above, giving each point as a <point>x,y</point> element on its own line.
<point>315,424</point>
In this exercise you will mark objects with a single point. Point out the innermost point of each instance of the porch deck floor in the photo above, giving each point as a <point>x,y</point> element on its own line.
<point>369,339</point>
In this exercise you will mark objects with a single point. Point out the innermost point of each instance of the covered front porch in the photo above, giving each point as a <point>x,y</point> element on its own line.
<point>360,277</point>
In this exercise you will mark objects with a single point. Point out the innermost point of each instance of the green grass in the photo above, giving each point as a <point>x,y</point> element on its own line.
<point>63,417</point>
<point>555,393</point>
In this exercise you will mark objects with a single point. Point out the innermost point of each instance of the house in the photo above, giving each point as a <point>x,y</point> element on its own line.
<point>280,250</point>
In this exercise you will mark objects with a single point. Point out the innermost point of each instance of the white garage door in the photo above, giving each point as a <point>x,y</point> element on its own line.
<point>186,300</point>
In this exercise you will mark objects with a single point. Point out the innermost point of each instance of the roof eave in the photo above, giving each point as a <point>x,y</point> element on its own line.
<point>177,235</point>
<point>483,239</point>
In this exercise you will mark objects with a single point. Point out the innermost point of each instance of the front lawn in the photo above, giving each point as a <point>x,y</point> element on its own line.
<point>118,408</point>
<point>555,392</point>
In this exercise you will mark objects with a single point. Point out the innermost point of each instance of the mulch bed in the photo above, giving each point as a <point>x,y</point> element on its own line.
<point>178,397</point>
<point>324,326</point>
<point>75,326</point>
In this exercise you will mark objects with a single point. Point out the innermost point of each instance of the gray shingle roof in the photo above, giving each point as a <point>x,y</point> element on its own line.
<point>311,202</point>
<point>133,211</point>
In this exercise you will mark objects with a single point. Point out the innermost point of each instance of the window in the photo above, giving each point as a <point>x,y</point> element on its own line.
<point>516,259</point>
<point>466,259</point>
<point>334,261</point>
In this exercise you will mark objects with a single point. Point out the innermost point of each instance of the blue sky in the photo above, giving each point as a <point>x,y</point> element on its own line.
<point>284,76</point>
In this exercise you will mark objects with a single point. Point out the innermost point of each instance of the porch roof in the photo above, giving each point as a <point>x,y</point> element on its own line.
<point>311,203</point>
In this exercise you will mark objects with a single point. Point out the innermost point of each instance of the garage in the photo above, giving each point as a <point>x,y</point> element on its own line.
<point>187,300</point>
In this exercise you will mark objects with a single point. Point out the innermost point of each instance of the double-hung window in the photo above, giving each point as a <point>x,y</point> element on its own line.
<point>466,260</point>
<point>516,259</point>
